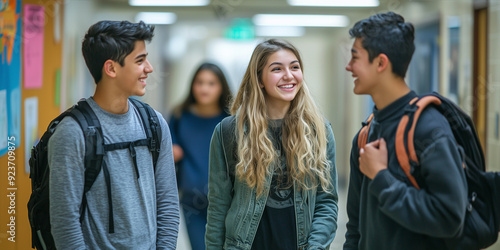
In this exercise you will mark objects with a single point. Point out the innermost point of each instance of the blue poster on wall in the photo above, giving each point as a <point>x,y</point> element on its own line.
<point>10,73</point>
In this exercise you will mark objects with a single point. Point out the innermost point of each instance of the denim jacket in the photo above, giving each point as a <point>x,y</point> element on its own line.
<point>233,218</point>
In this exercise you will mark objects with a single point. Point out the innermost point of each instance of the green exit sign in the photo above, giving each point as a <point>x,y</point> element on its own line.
<point>240,29</point>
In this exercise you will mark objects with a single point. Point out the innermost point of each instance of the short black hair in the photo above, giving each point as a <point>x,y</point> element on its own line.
<point>387,33</point>
<point>112,40</point>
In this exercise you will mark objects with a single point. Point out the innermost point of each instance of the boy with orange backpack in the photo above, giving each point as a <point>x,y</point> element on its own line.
<point>418,175</point>
<point>385,209</point>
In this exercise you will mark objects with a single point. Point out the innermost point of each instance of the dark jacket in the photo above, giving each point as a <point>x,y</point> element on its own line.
<point>388,212</point>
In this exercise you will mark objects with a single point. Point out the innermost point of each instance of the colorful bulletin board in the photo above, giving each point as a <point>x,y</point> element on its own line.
<point>10,71</point>
<point>26,107</point>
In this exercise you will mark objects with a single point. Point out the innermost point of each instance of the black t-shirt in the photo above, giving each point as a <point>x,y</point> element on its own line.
<point>277,228</point>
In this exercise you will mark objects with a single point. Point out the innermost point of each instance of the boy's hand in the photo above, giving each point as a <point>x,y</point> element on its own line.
<point>373,158</point>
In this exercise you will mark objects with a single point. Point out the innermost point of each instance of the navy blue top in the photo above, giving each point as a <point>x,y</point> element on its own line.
<point>193,134</point>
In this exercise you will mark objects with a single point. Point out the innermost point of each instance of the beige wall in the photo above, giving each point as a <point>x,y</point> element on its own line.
<point>493,89</point>
<point>493,92</point>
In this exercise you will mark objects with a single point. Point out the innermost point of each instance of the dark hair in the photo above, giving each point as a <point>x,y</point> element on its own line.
<point>112,40</point>
<point>389,34</point>
<point>224,99</point>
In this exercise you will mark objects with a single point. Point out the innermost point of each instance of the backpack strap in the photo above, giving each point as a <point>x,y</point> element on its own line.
<point>363,133</point>
<point>228,136</point>
<point>94,146</point>
<point>94,142</point>
<point>152,128</point>
<point>406,159</point>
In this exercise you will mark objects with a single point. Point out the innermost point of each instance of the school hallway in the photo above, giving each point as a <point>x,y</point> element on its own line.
<point>455,55</point>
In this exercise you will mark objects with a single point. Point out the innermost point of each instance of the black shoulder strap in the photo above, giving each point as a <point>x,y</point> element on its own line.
<point>228,128</point>
<point>94,142</point>
<point>152,127</point>
<point>94,145</point>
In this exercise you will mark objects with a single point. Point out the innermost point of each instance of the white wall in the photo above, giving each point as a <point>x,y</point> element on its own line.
<point>493,92</point>
<point>76,82</point>
<point>493,88</point>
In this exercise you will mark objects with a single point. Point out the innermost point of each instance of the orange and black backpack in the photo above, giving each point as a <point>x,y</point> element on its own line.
<point>482,218</point>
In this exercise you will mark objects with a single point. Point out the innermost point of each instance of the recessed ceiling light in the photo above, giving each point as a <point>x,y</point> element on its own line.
<point>300,20</point>
<point>169,2</point>
<point>335,3</point>
<point>156,17</point>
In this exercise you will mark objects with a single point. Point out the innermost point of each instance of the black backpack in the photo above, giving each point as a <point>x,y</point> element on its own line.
<point>482,219</point>
<point>95,149</point>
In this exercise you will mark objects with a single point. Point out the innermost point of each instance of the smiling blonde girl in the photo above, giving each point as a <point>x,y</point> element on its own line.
<point>284,192</point>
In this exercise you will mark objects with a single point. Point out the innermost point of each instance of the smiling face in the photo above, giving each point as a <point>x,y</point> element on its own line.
<point>281,78</point>
<point>131,77</point>
<point>363,71</point>
<point>207,88</point>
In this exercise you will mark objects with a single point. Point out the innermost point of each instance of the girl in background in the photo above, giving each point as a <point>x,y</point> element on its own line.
<point>281,191</point>
<point>192,125</point>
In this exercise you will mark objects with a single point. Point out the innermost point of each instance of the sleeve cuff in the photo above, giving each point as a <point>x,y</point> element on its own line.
<point>382,180</point>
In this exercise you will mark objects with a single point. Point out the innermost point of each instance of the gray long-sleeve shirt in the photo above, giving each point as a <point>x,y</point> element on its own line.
<point>145,209</point>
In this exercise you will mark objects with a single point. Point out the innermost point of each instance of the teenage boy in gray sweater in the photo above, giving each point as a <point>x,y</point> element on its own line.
<point>145,210</point>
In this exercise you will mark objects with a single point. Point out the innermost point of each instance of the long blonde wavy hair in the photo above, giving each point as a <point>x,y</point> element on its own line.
<point>303,130</point>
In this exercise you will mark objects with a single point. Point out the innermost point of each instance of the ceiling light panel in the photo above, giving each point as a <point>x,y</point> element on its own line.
<point>169,2</point>
<point>156,17</point>
<point>300,20</point>
<point>335,3</point>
